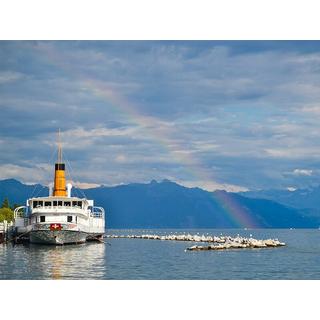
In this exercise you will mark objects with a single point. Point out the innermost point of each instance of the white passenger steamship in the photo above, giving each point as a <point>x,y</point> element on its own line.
<point>60,218</point>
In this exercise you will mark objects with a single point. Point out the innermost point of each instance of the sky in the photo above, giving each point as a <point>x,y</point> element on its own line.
<point>232,115</point>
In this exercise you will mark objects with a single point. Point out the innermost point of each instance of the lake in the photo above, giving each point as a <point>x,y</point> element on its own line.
<point>155,259</point>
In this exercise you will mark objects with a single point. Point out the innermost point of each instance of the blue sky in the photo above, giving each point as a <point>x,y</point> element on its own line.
<point>232,115</point>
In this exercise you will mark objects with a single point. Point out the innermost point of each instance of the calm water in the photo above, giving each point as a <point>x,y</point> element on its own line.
<point>154,259</point>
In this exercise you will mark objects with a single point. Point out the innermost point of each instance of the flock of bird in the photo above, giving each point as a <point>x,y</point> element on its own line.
<point>216,242</point>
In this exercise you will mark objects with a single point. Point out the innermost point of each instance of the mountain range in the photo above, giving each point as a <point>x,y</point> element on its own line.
<point>167,204</point>
<point>308,198</point>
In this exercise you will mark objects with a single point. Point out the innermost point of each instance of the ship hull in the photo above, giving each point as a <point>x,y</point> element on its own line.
<point>57,237</point>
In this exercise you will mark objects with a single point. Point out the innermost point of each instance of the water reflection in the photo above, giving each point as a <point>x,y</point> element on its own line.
<point>85,261</point>
<point>56,259</point>
<point>151,259</point>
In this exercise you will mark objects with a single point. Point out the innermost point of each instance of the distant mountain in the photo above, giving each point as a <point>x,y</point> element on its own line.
<point>18,192</point>
<point>299,199</point>
<point>169,205</point>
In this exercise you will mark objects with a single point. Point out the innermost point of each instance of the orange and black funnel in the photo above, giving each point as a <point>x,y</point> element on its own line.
<point>59,189</point>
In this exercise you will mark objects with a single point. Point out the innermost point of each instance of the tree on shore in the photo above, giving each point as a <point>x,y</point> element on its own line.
<point>6,213</point>
<point>5,203</point>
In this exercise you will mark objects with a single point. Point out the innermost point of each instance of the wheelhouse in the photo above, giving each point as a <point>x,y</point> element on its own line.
<point>75,203</point>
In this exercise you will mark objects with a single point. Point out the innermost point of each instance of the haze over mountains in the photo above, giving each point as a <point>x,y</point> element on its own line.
<point>169,205</point>
<point>300,198</point>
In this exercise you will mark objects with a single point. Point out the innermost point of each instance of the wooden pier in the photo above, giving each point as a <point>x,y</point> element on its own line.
<point>5,229</point>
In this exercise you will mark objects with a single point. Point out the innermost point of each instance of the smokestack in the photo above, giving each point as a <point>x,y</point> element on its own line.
<point>59,181</point>
<point>59,174</point>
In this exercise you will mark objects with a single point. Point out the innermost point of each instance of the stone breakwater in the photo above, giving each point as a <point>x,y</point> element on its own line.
<point>239,243</point>
<point>174,237</point>
<point>218,242</point>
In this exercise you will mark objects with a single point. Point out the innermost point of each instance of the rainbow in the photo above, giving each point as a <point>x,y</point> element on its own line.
<point>237,214</point>
<point>161,132</point>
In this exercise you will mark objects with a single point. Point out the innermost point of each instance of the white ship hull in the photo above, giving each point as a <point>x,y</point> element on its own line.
<point>63,233</point>
<point>58,237</point>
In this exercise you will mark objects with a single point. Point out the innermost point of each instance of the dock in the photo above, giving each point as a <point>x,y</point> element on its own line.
<point>5,230</point>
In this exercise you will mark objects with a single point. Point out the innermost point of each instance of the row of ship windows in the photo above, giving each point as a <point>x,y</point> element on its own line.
<point>37,204</point>
<point>69,219</point>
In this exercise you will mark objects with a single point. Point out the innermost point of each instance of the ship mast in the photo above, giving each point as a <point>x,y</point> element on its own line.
<point>59,147</point>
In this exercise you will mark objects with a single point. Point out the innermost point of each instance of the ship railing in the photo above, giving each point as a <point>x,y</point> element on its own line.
<point>20,212</point>
<point>97,212</point>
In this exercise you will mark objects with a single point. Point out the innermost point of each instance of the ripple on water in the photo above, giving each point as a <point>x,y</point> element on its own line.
<point>150,259</point>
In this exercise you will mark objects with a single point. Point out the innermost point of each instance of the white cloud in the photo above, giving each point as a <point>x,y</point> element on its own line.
<point>302,172</point>
<point>313,110</point>
<point>212,186</point>
<point>287,152</point>
<point>81,133</point>
<point>9,76</point>
<point>84,185</point>
<point>26,174</point>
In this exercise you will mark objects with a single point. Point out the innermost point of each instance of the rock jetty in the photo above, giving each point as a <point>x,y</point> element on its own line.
<point>218,242</point>
<point>239,243</point>
<point>175,237</point>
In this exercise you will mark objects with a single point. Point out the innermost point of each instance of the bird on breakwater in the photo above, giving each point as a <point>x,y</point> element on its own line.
<point>223,242</point>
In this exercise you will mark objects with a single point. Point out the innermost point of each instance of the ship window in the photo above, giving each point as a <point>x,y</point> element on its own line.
<point>80,204</point>
<point>35,203</point>
<point>40,204</point>
<point>67,203</point>
<point>69,219</point>
<point>42,219</point>
<point>55,203</point>
<point>59,203</point>
<point>76,219</point>
<point>74,203</point>
<point>47,204</point>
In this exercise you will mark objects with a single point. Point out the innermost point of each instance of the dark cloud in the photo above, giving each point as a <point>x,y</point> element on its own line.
<point>207,113</point>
